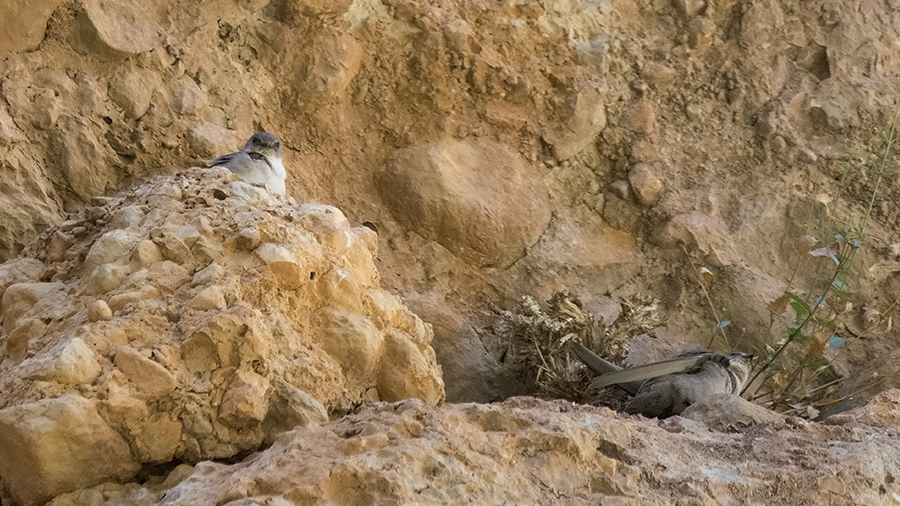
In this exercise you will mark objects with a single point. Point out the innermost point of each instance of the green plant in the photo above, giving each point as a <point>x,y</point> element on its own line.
<point>798,372</point>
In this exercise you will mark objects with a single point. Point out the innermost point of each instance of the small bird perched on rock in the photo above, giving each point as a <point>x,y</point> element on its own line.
<point>259,162</point>
<point>663,389</point>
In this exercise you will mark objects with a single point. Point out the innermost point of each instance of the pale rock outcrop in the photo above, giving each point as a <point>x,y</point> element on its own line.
<point>197,317</point>
<point>527,451</point>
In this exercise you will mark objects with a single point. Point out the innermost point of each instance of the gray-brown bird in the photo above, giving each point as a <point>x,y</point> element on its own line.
<point>259,162</point>
<point>667,388</point>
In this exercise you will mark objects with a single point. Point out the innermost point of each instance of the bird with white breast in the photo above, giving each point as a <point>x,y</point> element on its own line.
<point>258,163</point>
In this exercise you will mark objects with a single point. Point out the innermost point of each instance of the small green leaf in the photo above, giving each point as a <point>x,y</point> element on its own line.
<point>801,308</point>
<point>825,324</point>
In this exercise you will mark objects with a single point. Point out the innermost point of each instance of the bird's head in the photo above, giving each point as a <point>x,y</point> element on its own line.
<point>740,364</point>
<point>266,144</point>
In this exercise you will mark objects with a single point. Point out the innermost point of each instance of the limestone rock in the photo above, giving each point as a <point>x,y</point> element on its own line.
<point>725,412</point>
<point>23,300</point>
<point>327,72</point>
<point>150,377</point>
<point>479,199</point>
<point>527,451</point>
<point>207,140</point>
<point>283,263</point>
<point>56,445</point>
<point>587,121</point>
<point>646,185</point>
<point>696,230</point>
<point>128,27</point>
<point>99,310</point>
<point>211,297</point>
<point>73,363</point>
<point>207,326</point>
<point>295,10</point>
<point>20,270</point>
<point>187,97</point>
<point>352,340</point>
<point>689,8</point>
<point>405,369</point>
<point>291,407</point>
<point>132,91</point>
<point>641,117</point>
<point>24,23</point>
<point>245,402</point>
<point>83,158</point>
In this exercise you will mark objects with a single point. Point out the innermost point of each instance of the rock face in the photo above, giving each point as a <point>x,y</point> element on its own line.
<point>191,318</point>
<point>650,125</point>
<point>478,199</point>
<point>525,451</point>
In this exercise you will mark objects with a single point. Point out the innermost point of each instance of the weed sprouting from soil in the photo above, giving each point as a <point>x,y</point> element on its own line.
<point>797,368</point>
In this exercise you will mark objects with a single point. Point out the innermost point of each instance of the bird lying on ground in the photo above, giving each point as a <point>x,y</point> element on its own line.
<point>667,388</point>
<point>259,162</point>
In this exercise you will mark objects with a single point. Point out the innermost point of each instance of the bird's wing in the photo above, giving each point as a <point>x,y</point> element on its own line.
<point>602,367</point>
<point>654,370</point>
<point>223,160</point>
<point>594,363</point>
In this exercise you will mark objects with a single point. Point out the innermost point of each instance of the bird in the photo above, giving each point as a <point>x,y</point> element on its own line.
<point>664,389</point>
<point>258,162</point>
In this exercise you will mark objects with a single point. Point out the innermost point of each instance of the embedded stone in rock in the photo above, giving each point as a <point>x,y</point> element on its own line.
<point>21,270</point>
<point>74,364</point>
<point>50,300</point>
<point>479,199</point>
<point>244,403</point>
<point>291,407</point>
<point>646,185</point>
<point>158,437</point>
<point>406,373</point>
<point>128,26</point>
<point>328,70</point>
<point>56,445</point>
<point>132,91</point>
<point>83,157</point>
<point>99,310</point>
<point>640,118</point>
<point>187,97</point>
<point>150,377</point>
<point>24,23</point>
<point>208,139</point>
<point>282,262</point>
<point>689,8</point>
<point>587,121</point>
<point>211,297</point>
<point>296,11</point>
<point>352,340</point>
